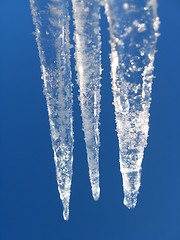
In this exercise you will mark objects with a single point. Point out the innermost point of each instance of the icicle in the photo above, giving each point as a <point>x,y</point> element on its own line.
<point>88,66</point>
<point>51,19</point>
<point>133,31</point>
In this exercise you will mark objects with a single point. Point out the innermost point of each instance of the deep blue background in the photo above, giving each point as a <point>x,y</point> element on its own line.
<point>30,207</point>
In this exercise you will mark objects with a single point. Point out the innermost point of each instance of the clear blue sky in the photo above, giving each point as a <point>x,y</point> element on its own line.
<point>30,208</point>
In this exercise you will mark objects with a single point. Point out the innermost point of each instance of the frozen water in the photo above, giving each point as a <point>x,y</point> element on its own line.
<point>133,31</point>
<point>51,19</point>
<point>88,66</point>
<point>133,27</point>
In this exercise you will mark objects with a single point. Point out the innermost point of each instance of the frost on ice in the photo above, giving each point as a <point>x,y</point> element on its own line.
<point>133,27</point>
<point>51,19</point>
<point>133,32</point>
<point>88,66</point>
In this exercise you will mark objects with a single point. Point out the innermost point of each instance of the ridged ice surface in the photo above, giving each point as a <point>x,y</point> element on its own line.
<point>88,66</point>
<point>51,19</point>
<point>133,32</point>
<point>133,26</point>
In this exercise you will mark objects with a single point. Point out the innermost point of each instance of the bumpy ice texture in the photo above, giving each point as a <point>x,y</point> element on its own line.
<point>51,19</point>
<point>133,31</point>
<point>88,66</point>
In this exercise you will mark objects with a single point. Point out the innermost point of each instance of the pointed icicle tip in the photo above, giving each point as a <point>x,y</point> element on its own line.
<point>130,199</point>
<point>66,210</point>
<point>96,191</point>
<point>65,202</point>
<point>66,213</point>
<point>131,185</point>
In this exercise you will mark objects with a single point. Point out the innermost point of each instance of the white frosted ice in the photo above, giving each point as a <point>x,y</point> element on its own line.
<point>133,31</point>
<point>51,19</point>
<point>133,27</point>
<point>88,66</point>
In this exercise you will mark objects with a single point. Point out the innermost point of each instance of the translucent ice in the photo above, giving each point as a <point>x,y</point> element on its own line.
<point>51,19</point>
<point>133,27</point>
<point>133,31</point>
<point>88,66</point>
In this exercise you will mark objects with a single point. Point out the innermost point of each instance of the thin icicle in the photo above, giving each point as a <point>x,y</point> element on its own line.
<point>133,30</point>
<point>51,19</point>
<point>88,66</point>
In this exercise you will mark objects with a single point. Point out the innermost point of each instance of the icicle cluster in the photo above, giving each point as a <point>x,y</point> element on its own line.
<point>133,29</point>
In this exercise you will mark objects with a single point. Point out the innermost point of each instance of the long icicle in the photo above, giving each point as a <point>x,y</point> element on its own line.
<point>88,66</point>
<point>51,19</point>
<point>133,31</point>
